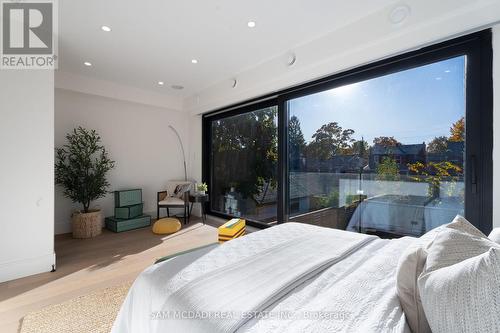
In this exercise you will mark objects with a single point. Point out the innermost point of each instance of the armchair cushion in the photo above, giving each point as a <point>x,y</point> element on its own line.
<point>171,201</point>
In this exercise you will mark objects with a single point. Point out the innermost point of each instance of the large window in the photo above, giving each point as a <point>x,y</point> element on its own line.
<point>394,148</point>
<point>244,158</point>
<point>384,155</point>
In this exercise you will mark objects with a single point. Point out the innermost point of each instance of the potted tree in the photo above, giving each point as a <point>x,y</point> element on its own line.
<point>80,169</point>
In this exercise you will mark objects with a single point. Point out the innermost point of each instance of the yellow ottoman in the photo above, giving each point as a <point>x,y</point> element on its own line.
<point>167,225</point>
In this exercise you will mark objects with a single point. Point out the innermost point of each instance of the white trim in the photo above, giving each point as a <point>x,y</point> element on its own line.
<point>25,267</point>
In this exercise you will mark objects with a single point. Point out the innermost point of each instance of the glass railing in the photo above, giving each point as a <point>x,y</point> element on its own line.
<point>369,203</point>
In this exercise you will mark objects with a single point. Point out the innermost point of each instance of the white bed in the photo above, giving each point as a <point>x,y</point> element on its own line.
<point>289,278</point>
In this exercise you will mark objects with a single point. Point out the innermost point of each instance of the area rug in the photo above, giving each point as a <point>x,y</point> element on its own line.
<point>92,313</point>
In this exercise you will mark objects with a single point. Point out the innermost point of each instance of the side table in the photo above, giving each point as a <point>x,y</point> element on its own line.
<point>201,199</point>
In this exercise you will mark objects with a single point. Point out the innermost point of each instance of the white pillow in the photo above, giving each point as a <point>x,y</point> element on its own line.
<point>464,297</point>
<point>461,223</point>
<point>495,235</point>
<point>452,246</point>
<point>410,266</point>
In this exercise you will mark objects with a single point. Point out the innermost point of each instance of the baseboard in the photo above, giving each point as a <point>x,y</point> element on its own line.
<point>20,268</point>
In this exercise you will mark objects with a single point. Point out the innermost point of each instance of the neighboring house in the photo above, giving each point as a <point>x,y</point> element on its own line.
<point>454,154</point>
<point>403,154</point>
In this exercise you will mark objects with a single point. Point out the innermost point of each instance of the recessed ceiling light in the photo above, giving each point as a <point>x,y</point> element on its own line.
<point>439,78</point>
<point>88,64</point>
<point>251,24</point>
<point>399,14</point>
<point>105,28</point>
<point>161,83</point>
<point>447,71</point>
<point>291,59</point>
<point>177,87</point>
<point>194,61</point>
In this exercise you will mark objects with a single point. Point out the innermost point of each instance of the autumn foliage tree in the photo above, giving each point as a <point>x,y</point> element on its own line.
<point>434,173</point>
<point>457,130</point>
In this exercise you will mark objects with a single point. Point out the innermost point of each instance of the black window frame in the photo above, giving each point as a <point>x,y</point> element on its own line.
<point>477,47</point>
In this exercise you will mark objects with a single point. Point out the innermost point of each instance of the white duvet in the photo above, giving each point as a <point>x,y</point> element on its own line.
<point>354,292</point>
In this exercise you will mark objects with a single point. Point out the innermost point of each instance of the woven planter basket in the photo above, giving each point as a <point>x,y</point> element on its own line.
<point>86,225</point>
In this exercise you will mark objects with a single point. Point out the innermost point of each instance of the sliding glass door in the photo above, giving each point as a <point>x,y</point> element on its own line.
<point>384,155</point>
<point>393,148</point>
<point>244,157</point>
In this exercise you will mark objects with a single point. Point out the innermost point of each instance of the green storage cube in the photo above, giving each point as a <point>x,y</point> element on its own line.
<point>119,225</point>
<point>129,212</point>
<point>128,198</point>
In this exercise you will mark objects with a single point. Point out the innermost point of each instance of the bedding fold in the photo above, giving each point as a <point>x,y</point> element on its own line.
<point>224,299</point>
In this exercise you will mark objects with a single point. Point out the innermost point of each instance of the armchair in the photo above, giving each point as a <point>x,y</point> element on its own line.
<point>176,195</point>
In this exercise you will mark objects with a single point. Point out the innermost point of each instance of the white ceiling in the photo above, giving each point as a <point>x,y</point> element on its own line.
<point>155,40</point>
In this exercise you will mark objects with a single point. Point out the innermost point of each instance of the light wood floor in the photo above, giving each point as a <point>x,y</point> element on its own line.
<point>87,265</point>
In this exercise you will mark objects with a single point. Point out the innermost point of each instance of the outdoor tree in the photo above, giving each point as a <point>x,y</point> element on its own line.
<point>438,145</point>
<point>388,169</point>
<point>329,140</point>
<point>295,135</point>
<point>457,130</point>
<point>296,140</point>
<point>251,139</point>
<point>386,141</point>
<point>360,148</point>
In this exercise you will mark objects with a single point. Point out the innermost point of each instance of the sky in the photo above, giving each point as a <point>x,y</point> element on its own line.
<point>414,105</point>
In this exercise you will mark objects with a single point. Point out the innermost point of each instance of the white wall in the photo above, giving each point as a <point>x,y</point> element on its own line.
<point>195,158</point>
<point>137,137</point>
<point>93,86</point>
<point>26,172</point>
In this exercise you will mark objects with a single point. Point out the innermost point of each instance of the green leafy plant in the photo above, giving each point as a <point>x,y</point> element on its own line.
<point>388,169</point>
<point>352,198</point>
<point>81,167</point>
<point>202,187</point>
<point>331,200</point>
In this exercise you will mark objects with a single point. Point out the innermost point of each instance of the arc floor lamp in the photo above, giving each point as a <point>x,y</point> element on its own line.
<point>182,148</point>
